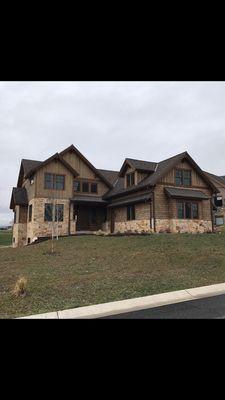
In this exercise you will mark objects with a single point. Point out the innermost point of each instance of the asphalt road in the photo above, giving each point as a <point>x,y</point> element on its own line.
<point>209,307</point>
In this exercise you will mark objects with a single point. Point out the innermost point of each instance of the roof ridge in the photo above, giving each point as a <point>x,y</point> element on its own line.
<point>146,161</point>
<point>176,155</point>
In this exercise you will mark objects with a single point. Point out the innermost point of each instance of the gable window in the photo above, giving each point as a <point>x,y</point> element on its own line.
<point>218,201</point>
<point>94,188</point>
<point>85,187</point>
<point>76,186</point>
<point>30,213</point>
<point>130,179</point>
<point>54,181</point>
<point>49,181</point>
<point>183,177</point>
<point>187,210</point>
<point>59,208</point>
<point>48,212</point>
<point>130,213</point>
<point>59,182</point>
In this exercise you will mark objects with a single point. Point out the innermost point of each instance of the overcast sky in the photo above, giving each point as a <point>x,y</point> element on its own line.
<point>108,121</point>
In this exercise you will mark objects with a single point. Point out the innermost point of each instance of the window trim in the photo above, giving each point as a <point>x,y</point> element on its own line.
<point>89,182</point>
<point>54,181</point>
<point>183,202</point>
<point>182,177</point>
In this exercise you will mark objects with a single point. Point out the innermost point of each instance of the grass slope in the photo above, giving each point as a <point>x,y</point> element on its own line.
<point>89,269</point>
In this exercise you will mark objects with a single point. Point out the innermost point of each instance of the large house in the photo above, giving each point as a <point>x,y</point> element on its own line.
<point>66,194</point>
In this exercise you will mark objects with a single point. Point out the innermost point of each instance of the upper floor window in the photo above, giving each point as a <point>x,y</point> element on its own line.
<point>76,186</point>
<point>94,188</point>
<point>218,200</point>
<point>183,177</point>
<point>54,181</point>
<point>130,179</point>
<point>85,186</point>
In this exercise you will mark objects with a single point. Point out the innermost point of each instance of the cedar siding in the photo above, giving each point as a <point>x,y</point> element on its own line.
<point>145,206</point>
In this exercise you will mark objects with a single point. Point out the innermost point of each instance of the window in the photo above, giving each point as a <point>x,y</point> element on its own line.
<point>187,210</point>
<point>28,240</point>
<point>194,210</point>
<point>94,188</point>
<point>53,181</point>
<point>59,182</point>
<point>180,210</point>
<point>130,179</point>
<point>15,217</point>
<point>49,181</point>
<point>85,187</point>
<point>130,212</point>
<point>218,200</point>
<point>183,177</point>
<point>30,213</point>
<point>76,186</point>
<point>59,208</point>
<point>48,212</point>
<point>219,221</point>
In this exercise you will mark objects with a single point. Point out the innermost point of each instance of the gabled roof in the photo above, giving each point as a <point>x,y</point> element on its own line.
<point>25,167</point>
<point>162,168</point>
<point>95,170</point>
<point>220,181</point>
<point>111,176</point>
<point>139,165</point>
<point>56,156</point>
<point>29,167</point>
<point>19,197</point>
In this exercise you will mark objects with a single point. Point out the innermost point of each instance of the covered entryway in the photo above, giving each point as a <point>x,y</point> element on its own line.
<point>90,213</point>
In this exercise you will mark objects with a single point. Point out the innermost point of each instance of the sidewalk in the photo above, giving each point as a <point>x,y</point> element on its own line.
<point>139,303</point>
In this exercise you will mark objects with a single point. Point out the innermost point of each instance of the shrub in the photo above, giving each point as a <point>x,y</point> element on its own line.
<point>20,288</point>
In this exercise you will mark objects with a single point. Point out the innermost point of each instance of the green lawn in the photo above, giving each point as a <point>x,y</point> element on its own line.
<point>5,238</point>
<point>93,269</point>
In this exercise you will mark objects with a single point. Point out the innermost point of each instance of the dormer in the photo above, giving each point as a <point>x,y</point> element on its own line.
<point>134,171</point>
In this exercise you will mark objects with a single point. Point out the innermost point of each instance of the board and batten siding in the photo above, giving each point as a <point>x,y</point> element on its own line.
<point>85,172</point>
<point>54,167</point>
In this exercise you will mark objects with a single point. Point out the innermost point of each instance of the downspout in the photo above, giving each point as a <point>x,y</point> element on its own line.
<point>69,217</point>
<point>153,206</point>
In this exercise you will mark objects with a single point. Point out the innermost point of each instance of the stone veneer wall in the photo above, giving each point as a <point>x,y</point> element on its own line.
<point>38,227</point>
<point>19,235</point>
<point>141,223</point>
<point>183,225</point>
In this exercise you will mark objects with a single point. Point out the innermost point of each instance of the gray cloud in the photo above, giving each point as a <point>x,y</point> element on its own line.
<point>109,121</point>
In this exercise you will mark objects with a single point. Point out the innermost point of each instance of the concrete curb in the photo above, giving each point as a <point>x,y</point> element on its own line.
<point>139,303</point>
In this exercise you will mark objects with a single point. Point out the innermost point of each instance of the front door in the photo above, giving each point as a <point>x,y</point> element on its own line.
<point>90,218</point>
<point>83,218</point>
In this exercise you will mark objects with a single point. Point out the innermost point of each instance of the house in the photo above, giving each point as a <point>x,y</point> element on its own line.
<point>66,194</point>
<point>218,199</point>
